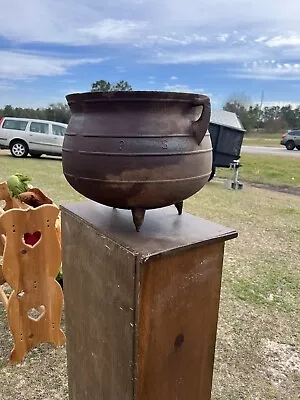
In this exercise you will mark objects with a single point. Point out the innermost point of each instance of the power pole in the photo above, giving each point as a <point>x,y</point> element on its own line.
<point>262,99</point>
<point>261,105</point>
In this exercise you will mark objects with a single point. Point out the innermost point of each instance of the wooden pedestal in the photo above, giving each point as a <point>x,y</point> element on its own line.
<point>141,308</point>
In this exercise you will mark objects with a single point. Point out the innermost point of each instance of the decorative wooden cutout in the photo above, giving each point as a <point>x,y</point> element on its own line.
<point>3,298</point>
<point>2,240</point>
<point>36,314</point>
<point>30,269</point>
<point>31,239</point>
<point>10,202</point>
<point>58,228</point>
<point>2,279</point>
<point>33,198</point>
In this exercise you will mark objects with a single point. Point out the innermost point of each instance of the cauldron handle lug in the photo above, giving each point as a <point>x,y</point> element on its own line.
<point>201,125</point>
<point>138,215</point>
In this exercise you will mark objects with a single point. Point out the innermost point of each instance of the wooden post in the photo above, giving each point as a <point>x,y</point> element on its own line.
<point>141,308</point>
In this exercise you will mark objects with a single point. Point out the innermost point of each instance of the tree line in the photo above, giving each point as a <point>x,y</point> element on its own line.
<point>58,112</point>
<point>253,117</point>
<point>268,119</point>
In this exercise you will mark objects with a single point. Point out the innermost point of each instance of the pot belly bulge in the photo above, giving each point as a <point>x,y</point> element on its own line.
<point>137,171</point>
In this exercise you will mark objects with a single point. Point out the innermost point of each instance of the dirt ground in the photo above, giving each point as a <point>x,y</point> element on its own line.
<point>42,376</point>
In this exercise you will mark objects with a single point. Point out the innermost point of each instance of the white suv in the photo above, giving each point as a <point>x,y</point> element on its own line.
<point>25,136</point>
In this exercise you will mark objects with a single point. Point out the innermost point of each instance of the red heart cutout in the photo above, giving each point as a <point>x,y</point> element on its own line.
<point>32,238</point>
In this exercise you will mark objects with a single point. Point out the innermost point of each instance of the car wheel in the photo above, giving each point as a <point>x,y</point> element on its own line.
<point>19,149</point>
<point>290,145</point>
<point>298,147</point>
<point>35,155</point>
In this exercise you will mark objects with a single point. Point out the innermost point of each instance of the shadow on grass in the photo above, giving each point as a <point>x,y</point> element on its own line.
<point>6,154</point>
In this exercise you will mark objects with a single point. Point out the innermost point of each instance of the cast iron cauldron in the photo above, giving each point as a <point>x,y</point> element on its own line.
<point>138,150</point>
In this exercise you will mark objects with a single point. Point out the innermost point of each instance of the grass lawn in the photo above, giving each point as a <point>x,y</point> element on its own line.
<point>267,169</point>
<point>262,139</point>
<point>257,352</point>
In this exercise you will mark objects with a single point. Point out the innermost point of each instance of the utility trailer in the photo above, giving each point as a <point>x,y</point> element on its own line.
<point>227,134</point>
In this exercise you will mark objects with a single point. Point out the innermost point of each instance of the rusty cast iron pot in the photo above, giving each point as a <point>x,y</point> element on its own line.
<point>138,150</point>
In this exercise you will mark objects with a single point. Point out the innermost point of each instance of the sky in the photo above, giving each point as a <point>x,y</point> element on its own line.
<point>50,48</point>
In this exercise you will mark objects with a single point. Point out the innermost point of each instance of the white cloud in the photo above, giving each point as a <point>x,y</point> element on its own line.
<point>172,22</point>
<point>174,39</point>
<point>121,69</point>
<point>67,22</point>
<point>261,39</point>
<point>281,41</point>
<point>68,81</point>
<point>151,80</point>
<point>203,56</point>
<point>182,88</point>
<point>269,70</point>
<point>6,85</point>
<point>111,30</point>
<point>159,32</point>
<point>25,65</point>
<point>174,78</point>
<point>223,37</point>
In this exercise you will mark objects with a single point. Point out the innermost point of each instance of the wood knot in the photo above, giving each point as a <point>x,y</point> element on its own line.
<point>178,342</point>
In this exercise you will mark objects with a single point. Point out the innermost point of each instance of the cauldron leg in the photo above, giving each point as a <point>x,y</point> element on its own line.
<point>179,207</point>
<point>138,215</point>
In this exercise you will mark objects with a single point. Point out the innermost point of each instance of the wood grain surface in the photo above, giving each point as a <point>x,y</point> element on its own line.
<point>99,289</point>
<point>177,325</point>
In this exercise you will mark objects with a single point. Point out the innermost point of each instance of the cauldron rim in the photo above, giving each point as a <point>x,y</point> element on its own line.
<point>138,95</point>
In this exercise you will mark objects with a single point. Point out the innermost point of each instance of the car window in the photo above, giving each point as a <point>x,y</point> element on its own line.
<point>58,130</point>
<point>296,133</point>
<point>39,127</point>
<point>14,124</point>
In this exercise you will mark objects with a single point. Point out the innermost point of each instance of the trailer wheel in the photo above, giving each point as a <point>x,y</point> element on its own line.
<point>212,174</point>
